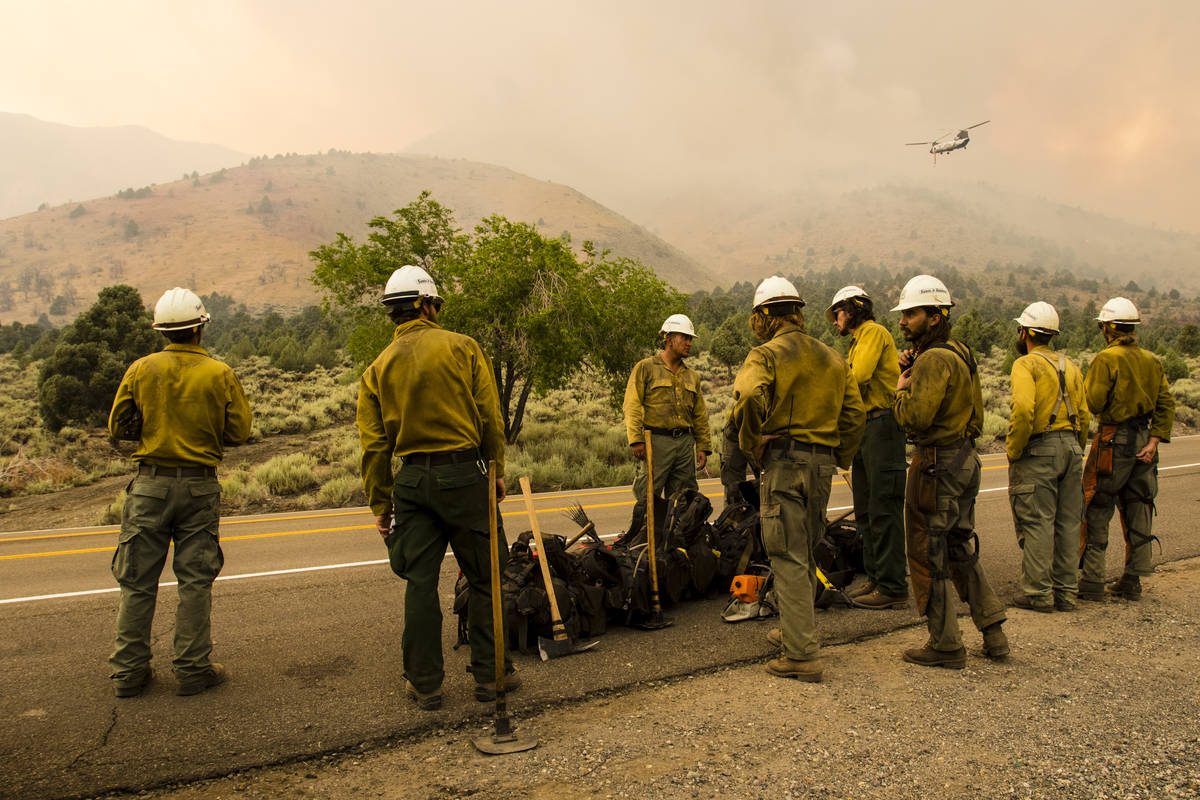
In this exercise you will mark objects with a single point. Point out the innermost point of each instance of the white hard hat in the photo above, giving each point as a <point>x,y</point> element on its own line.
<point>1120,310</point>
<point>678,323</point>
<point>1040,317</point>
<point>843,294</point>
<point>776,289</point>
<point>924,290</point>
<point>178,309</point>
<point>409,284</point>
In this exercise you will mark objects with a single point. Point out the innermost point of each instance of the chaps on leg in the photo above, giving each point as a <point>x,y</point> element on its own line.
<point>962,553</point>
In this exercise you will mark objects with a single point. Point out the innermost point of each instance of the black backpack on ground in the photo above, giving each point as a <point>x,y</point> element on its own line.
<point>839,553</point>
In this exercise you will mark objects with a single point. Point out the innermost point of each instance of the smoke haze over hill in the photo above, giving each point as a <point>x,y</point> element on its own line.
<point>1092,103</point>
<point>44,162</point>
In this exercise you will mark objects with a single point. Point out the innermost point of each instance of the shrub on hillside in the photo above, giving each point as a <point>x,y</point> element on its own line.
<point>78,381</point>
<point>288,474</point>
<point>1174,366</point>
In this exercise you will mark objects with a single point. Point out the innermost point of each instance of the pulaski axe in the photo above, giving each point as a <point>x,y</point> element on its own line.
<point>560,644</point>
<point>504,739</point>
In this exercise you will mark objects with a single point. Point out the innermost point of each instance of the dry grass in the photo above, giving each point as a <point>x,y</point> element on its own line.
<point>573,438</point>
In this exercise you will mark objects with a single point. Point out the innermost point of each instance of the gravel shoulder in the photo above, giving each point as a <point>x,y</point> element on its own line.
<point>1102,702</point>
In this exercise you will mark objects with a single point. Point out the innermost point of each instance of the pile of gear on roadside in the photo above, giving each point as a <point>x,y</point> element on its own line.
<point>597,584</point>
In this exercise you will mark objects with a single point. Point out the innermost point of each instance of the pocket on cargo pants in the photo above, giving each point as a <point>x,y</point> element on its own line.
<point>774,536</point>
<point>144,507</point>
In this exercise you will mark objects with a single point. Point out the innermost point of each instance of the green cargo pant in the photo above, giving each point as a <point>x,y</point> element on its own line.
<point>943,551</point>
<point>159,510</point>
<point>1133,486</point>
<point>674,469</point>
<point>1045,489</point>
<point>877,476</point>
<point>434,506</point>
<point>795,492</point>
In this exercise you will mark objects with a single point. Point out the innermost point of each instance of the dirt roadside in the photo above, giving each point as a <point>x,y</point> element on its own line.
<point>1102,702</point>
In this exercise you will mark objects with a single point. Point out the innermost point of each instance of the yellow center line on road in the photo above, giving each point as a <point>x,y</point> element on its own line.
<point>327,514</point>
<point>278,534</point>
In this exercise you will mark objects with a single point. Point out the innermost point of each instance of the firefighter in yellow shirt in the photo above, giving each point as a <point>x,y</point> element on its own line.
<point>1127,391</point>
<point>430,400</point>
<point>1047,431</point>
<point>663,396</point>
<point>879,464</point>
<point>939,403</point>
<point>797,413</point>
<point>182,407</point>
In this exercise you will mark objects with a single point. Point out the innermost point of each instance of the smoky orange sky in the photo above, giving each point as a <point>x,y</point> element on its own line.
<point>1091,103</point>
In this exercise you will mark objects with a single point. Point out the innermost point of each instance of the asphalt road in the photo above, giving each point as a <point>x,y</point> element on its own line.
<point>308,617</point>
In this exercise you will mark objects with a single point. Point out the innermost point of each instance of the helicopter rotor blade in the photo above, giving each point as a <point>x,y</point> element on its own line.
<point>977,124</point>
<point>910,144</point>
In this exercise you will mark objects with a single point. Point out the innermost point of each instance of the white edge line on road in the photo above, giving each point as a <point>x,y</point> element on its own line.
<point>220,578</point>
<point>296,570</point>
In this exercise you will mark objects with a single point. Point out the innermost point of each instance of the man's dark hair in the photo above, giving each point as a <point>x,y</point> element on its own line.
<point>860,310</point>
<point>936,333</point>
<point>399,313</point>
<point>1039,338</point>
<point>180,336</point>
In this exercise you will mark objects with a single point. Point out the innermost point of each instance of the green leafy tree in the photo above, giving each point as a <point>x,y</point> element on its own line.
<point>1174,366</point>
<point>351,275</point>
<point>732,341</point>
<point>538,310</point>
<point>78,381</point>
<point>1188,340</point>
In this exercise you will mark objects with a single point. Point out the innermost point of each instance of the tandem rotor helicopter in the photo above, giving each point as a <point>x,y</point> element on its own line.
<point>945,145</point>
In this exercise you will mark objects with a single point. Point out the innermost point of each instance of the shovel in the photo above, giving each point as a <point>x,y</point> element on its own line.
<point>656,620</point>
<point>504,739</point>
<point>560,645</point>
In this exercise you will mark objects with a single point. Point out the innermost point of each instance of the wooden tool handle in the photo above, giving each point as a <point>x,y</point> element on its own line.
<point>497,603</point>
<point>591,526</point>
<point>650,520</point>
<point>560,630</point>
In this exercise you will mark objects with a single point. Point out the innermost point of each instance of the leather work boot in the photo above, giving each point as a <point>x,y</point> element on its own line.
<point>928,657</point>
<point>995,643</point>
<point>1026,602</point>
<point>135,688</point>
<point>1064,604</point>
<point>784,667</point>
<point>878,600</point>
<point>215,675</point>
<point>1128,587</point>
<point>426,701</point>
<point>1091,590</point>
<point>865,589</point>
<point>775,637</point>
<point>486,692</point>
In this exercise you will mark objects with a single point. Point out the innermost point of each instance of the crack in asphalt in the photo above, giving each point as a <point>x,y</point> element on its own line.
<point>112,723</point>
<point>421,729</point>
